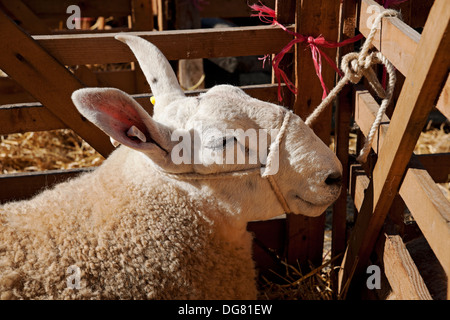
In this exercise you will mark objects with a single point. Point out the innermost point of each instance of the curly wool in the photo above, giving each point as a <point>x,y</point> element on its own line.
<point>140,238</point>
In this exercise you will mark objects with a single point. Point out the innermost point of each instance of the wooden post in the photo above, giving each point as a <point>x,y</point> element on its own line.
<point>190,71</point>
<point>47,80</point>
<point>313,18</point>
<point>425,78</point>
<point>285,13</point>
<point>342,130</point>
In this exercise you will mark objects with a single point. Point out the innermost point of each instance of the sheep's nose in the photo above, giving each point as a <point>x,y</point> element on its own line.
<point>334,178</point>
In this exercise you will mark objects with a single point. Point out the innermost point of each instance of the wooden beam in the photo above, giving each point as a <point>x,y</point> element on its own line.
<point>343,115</point>
<point>427,204</point>
<point>56,10</point>
<point>427,74</point>
<point>396,40</point>
<point>431,210</point>
<point>401,271</point>
<point>102,48</point>
<point>47,80</point>
<point>443,104</point>
<point>229,9</point>
<point>313,18</point>
<point>24,17</point>
<point>26,118</point>
<point>142,15</point>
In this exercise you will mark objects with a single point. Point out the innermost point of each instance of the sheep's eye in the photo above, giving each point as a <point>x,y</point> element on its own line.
<point>227,140</point>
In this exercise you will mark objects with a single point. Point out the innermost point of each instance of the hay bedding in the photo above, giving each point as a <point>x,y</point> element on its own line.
<point>63,149</point>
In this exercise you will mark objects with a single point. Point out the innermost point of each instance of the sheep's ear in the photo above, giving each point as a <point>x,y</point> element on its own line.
<point>156,68</point>
<point>124,120</point>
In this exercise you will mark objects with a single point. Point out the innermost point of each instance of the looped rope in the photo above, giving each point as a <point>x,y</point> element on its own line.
<point>356,65</point>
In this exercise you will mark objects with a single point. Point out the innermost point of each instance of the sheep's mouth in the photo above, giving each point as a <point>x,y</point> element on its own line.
<point>305,201</point>
<point>312,204</point>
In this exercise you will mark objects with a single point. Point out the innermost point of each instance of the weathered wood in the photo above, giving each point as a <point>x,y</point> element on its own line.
<point>285,12</point>
<point>401,271</point>
<point>427,74</point>
<point>313,18</point>
<point>443,104</point>
<point>27,118</point>
<point>47,80</point>
<point>142,15</point>
<point>11,92</point>
<point>24,17</point>
<point>190,72</point>
<point>102,48</point>
<point>52,12</point>
<point>343,116</point>
<point>431,211</point>
<point>395,39</point>
<point>229,8</point>
<point>429,207</point>
<point>20,186</point>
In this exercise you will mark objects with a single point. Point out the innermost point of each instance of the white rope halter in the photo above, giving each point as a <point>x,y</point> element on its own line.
<point>355,66</point>
<point>268,172</point>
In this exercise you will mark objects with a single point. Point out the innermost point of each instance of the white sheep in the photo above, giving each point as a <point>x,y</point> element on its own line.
<point>144,227</point>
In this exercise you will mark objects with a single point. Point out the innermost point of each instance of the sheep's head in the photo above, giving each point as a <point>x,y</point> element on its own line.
<point>219,132</point>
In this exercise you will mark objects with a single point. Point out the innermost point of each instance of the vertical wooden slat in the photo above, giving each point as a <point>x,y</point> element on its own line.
<point>190,71</point>
<point>313,18</point>
<point>47,80</point>
<point>142,15</point>
<point>285,13</point>
<point>342,130</point>
<point>422,86</point>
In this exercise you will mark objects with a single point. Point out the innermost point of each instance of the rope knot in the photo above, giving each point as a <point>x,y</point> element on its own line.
<point>352,68</point>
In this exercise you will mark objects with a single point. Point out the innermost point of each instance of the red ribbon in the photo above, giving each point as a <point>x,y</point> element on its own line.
<point>389,3</point>
<point>267,15</point>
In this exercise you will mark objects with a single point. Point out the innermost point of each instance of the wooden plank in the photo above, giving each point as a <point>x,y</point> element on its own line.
<point>431,210</point>
<point>229,9</point>
<point>401,271</point>
<point>35,117</point>
<point>443,104</point>
<point>343,115</point>
<point>11,92</point>
<point>142,15</point>
<point>429,207</point>
<point>20,186</point>
<point>47,80</point>
<point>56,10</point>
<point>285,12</point>
<point>175,44</point>
<point>24,17</point>
<point>190,71</point>
<point>427,74</point>
<point>313,18</point>
<point>392,33</point>
<point>26,118</point>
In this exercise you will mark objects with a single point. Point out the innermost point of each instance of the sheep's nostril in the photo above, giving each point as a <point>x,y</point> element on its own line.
<point>334,179</point>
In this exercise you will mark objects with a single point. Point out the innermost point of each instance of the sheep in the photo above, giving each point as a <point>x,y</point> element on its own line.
<point>145,225</point>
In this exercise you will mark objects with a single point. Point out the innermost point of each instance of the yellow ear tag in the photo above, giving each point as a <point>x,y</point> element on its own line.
<point>152,100</point>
